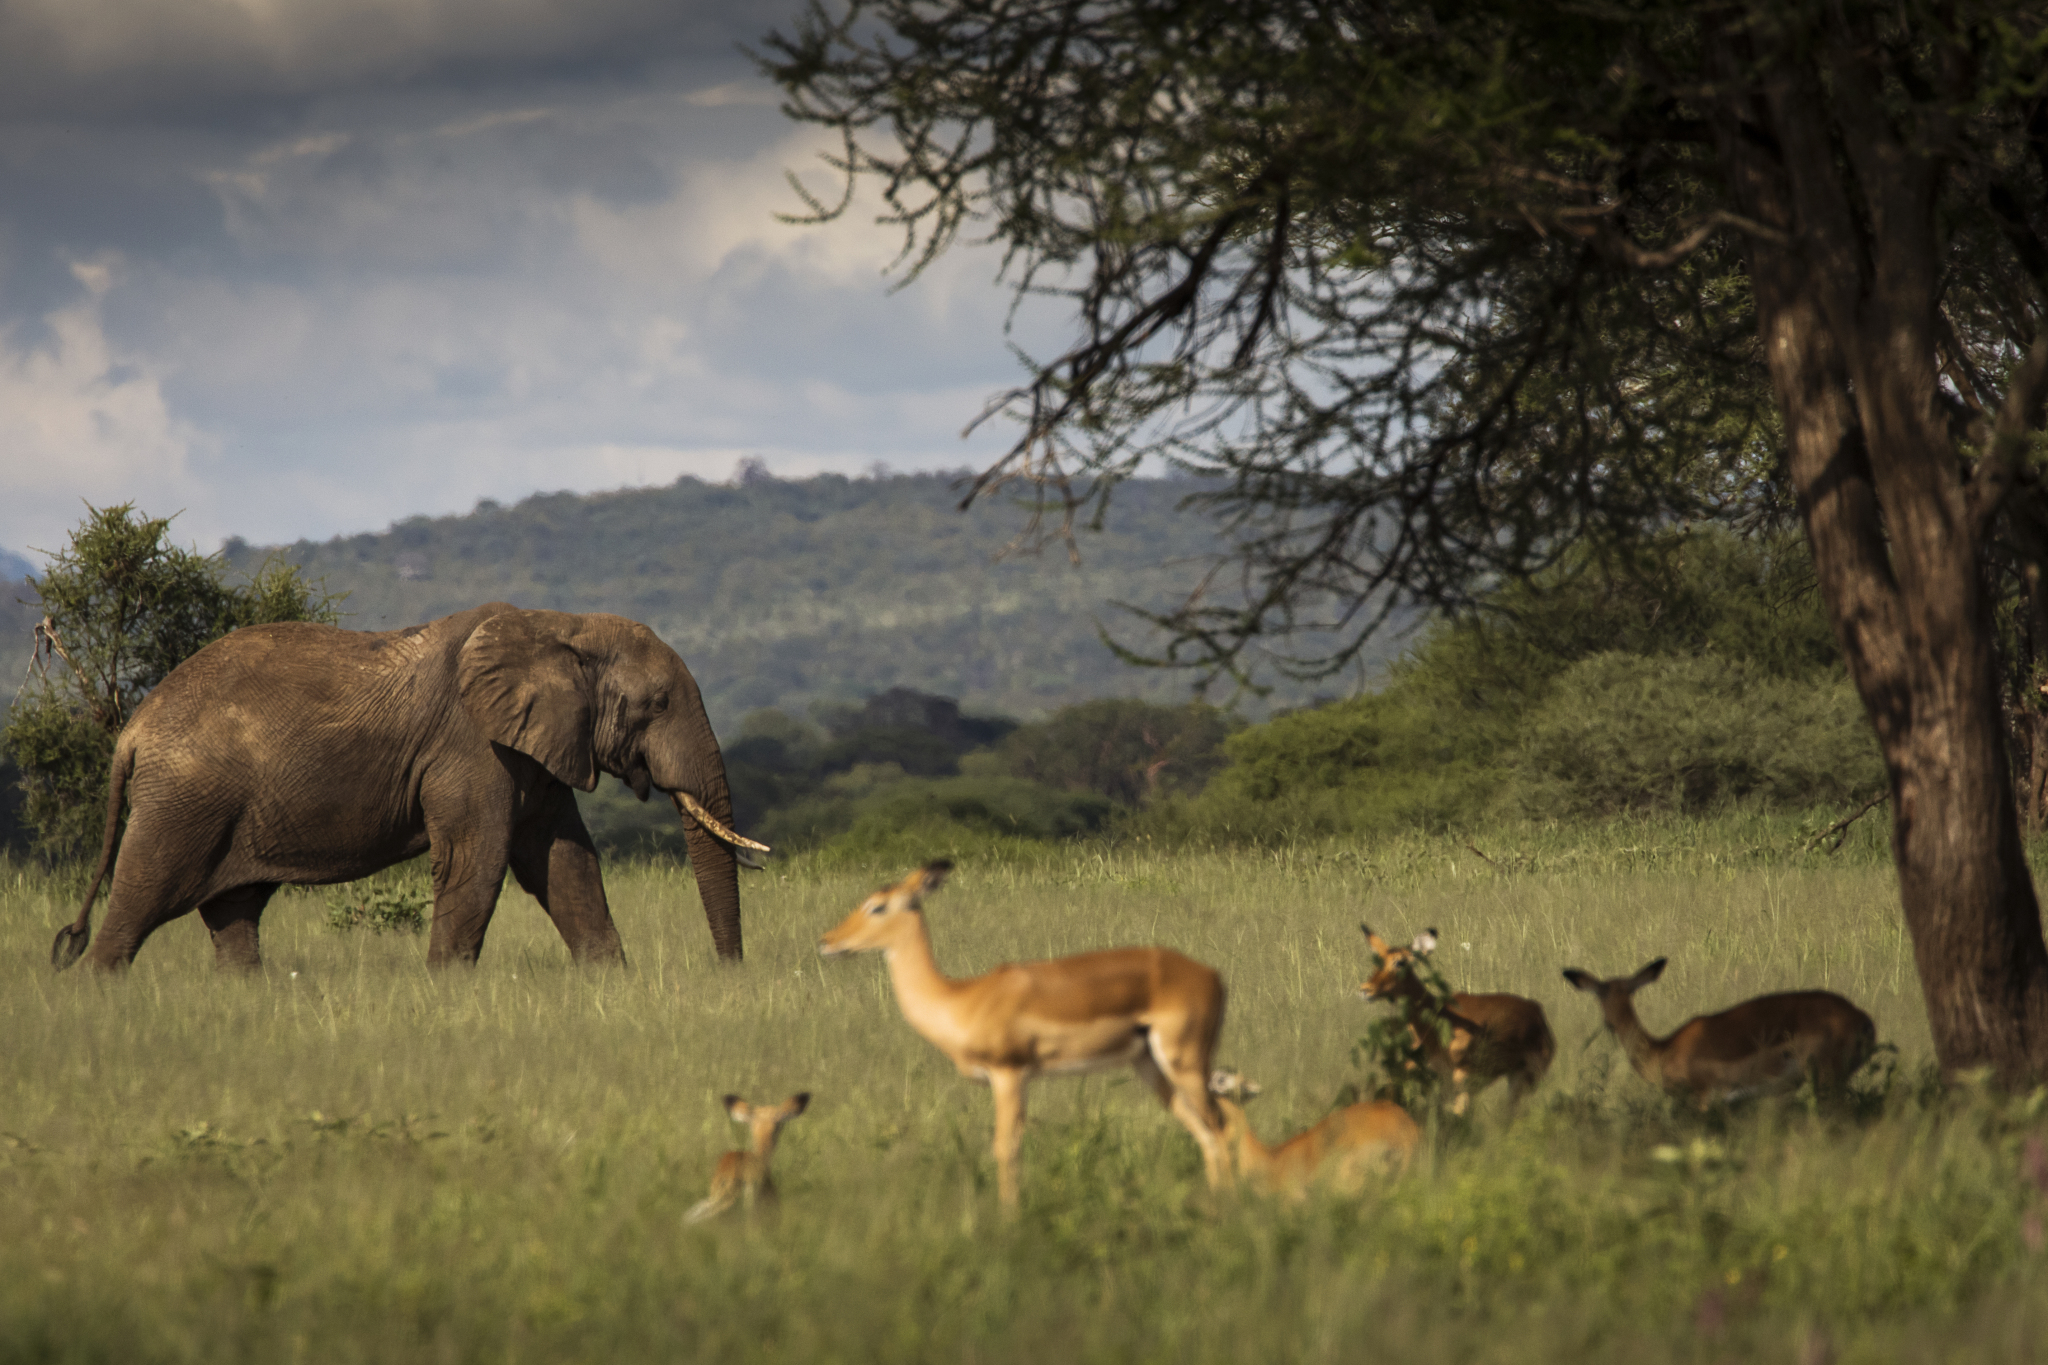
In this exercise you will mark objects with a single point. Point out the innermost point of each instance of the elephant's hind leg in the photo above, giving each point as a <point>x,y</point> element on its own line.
<point>156,880</point>
<point>232,918</point>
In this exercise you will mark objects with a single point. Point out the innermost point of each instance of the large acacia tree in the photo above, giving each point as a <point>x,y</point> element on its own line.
<point>1433,291</point>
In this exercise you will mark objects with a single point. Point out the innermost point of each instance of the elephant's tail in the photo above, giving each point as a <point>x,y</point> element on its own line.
<point>73,937</point>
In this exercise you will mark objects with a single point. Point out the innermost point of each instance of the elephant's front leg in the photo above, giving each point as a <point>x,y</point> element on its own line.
<point>469,869</point>
<point>555,861</point>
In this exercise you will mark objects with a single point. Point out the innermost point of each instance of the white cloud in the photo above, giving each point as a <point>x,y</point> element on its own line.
<point>82,420</point>
<point>390,302</point>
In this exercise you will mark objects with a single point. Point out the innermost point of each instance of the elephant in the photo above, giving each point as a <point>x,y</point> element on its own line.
<point>308,754</point>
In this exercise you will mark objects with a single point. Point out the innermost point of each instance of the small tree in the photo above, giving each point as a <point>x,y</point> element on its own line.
<point>122,607</point>
<point>1121,748</point>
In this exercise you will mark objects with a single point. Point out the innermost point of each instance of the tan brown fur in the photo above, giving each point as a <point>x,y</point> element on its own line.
<point>1148,1008</point>
<point>1765,1046</point>
<point>1491,1036</point>
<point>1342,1153</point>
<point>744,1175</point>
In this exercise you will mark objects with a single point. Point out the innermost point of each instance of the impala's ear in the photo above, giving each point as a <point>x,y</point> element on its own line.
<point>1584,981</point>
<point>737,1109</point>
<point>1425,942</point>
<point>526,688</point>
<point>1373,941</point>
<point>932,875</point>
<point>1647,974</point>
<point>799,1103</point>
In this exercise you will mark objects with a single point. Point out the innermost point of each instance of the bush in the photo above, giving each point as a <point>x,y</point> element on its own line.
<point>1128,751</point>
<point>1624,733</point>
<point>383,907</point>
<point>876,807</point>
<point>1393,760</point>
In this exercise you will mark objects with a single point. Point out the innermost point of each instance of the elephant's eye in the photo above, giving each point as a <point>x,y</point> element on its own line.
<point>661,703</point>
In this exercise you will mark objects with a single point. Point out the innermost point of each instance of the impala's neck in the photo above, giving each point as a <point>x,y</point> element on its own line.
<point>1645,1053</point>
<point>923,992</point>
<point>1252,1154</point>
<point>764,1144</point>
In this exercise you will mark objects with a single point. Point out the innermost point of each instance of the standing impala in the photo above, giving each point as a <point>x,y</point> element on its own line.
<point>1489,1036</point>
<point>1148,1008</point>
<point>1342,1151</point>
<point>1764,1046</point>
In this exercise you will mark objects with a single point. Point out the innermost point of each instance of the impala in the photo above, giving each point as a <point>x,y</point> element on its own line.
<point>1764,1046</point>
<point>1344,1150</point>
<point>1148,1008</point>
<point>745,1174</point>
<point>1479,1039</point>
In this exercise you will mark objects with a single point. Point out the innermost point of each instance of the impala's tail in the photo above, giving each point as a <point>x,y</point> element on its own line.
<point>72,939</point>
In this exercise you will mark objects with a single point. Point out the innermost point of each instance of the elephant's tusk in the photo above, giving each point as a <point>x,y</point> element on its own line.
<point>692,807</point>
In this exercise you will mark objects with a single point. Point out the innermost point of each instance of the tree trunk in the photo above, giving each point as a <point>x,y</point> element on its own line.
<point>1846,286</point>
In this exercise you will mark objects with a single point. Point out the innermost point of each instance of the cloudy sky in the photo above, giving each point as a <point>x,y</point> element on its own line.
<point>305,267</point>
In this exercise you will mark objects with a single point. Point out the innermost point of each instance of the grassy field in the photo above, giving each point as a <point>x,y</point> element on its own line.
<point>347,1159</point>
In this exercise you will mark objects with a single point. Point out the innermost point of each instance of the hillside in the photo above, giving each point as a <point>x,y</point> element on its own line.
<point>788,593</point>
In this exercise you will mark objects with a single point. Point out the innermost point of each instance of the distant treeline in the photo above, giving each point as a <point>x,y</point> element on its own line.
<point>785,593</point>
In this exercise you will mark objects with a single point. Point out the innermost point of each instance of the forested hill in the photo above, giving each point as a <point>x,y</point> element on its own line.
<point>783,593</point>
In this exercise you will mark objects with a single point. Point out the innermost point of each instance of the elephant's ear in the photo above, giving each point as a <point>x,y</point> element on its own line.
<point>524,686</point>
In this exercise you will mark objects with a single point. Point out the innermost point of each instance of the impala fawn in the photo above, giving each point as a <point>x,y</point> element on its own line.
<point>1764,1046</point>
<point>1489,1036</point>
<point>1147,1008</point>
<point>1342,1152</point>
<point>744,1175</point>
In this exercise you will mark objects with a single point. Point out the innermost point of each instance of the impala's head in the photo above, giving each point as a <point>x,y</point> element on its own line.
<point>885,914</point>
<point>764,1121</point>
<point>1230,1085</point>
<point>1614,995</point>
<point>1391,965</point>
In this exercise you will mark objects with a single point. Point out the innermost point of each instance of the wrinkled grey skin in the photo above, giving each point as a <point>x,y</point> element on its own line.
<point>306,754</point>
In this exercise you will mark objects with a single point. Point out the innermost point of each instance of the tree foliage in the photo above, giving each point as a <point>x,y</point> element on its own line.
<point>122,606</point>
<point>1123,749</point>
<point>1699,674</point>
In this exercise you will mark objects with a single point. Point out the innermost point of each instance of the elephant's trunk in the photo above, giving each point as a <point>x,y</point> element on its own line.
<point>718,884</point>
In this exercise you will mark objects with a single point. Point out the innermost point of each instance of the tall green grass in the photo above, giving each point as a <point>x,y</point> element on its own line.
<point>349,1159</point>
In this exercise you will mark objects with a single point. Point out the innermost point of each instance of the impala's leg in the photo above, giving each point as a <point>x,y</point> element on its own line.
<point>1461,1092</point>
<point>1008,1087</point>
<point>1183,1065</point>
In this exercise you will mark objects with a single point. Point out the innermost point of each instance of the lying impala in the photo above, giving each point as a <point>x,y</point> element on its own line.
<point>1764,1046</point>
<point>1149,1008</point>
<point>1342,1152</point>
<point>744,1175</point>
<point>1490,1036</point>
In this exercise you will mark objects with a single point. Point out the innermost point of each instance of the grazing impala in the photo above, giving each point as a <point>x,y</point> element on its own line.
<point>745,1174</point>
<point>1148,1008</point>
<point>1342,1152</point>
<point>1764,1046</point>
<point>1490,1036</point>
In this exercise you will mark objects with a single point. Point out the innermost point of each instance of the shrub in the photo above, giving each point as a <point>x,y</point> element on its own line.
<point>872,806</point>
<point>1396,759</point>
<point>1125,750</point>
<point>383,907</point>
<point>1619,732</point>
